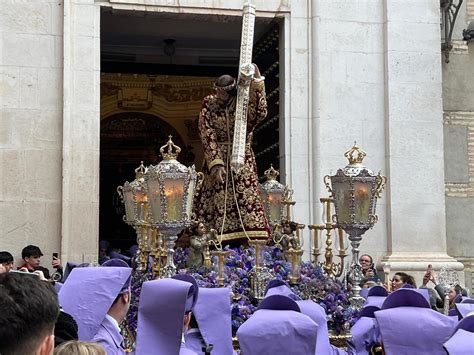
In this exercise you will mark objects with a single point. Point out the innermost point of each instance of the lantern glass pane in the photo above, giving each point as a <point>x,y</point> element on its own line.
<point>129,204</point>
<point>174,195</point>
<point>274,201</point>
<point>154,199</point>
<point>362,201</point>
<point>190,197</point>
<point>142,201</point>
<point>342,201</point>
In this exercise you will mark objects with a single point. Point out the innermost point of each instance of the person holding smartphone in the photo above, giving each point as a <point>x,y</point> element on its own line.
<point>368,270</point>
<point>31,255</point>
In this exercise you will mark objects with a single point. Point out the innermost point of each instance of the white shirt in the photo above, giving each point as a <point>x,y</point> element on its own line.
<point>113,321</point>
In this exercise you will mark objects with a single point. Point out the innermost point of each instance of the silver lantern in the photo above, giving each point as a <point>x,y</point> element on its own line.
<point>170,187</point>
<point>355,190</point>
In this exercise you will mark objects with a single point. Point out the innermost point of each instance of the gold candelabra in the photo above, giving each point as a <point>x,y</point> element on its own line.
<point>221,255</point>
<point>331,268</point>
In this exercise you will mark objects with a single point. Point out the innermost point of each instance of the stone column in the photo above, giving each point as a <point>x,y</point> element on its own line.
<point>295,97</point>
<point>81,131</point>
<point>414,138</point>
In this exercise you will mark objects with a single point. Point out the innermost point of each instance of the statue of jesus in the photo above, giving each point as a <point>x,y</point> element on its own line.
<point>229,201</point>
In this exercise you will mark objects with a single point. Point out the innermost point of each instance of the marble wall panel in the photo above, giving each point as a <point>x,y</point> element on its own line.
<point>47,130</point>
<point>459,214</point>
<point>9,86</point>
<point>84,175</point>
<point>86,21</point>
<point>57,14</point>
<point>29,88</point>
<point>407,11</point>
<point>81,223</point>
<point>12,176</point>
<point>406,38</point>
<point>86,130</point>
<point>421,227</point>
<point>352,102</point>
<point>419,182</point>
<point>17,126</point>
<point>35,50</point>
<point>299,34</point>
<point>415,102</point>
<point>84,56</point>
<point>34,17</point>
<point>366,11</point>
<point>414,68</point>
<point>83,83</point>
<point>456,162</point>
<point>365,68</point>
<point>350,36</point>
<point>43,175</point>
<point>50,88</point>
<point>416,141</point>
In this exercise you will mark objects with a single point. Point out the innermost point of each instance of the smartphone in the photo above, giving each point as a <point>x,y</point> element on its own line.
<point>55,255</point>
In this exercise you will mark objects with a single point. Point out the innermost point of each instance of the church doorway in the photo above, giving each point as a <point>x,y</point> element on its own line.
<point>155,70</point>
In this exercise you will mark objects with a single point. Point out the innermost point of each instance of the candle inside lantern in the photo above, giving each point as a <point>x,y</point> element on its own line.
<point>142,202</point>
<point>174,194</point>
<point>274,201</point>
<point>362,202</point>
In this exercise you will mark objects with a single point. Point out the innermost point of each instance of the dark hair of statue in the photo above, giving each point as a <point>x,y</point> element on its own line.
<point>29,309</point>
<point>226,80</point>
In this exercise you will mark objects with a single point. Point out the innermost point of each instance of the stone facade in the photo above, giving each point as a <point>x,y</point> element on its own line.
<point>350,70</point>
<point>458,105</point>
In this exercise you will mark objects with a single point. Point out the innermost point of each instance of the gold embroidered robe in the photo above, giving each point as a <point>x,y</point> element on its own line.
<point>238,200</point>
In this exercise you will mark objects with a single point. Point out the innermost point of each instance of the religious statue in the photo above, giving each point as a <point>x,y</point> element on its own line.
<point>286,236</point>
<point>198,245</point>
<point>229,200</point>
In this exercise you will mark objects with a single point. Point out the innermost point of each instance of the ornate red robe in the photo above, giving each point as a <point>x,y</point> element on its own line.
<point>235,206</point>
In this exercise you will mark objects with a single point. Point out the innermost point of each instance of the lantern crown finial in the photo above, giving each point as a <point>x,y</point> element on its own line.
<point>271,173</point>
<point>355,155</point>
<point>170,151</point>
<point>140,171</point>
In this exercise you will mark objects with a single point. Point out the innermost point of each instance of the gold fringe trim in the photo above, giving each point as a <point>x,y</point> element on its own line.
<point>241,235</point>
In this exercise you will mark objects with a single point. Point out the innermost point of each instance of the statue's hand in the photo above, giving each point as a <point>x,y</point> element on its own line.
<point>218,174</point>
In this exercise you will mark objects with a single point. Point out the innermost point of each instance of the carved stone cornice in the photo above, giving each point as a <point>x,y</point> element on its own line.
<point>172,88</point>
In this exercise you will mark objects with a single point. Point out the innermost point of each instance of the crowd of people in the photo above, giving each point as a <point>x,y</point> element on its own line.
<point>175,316</point>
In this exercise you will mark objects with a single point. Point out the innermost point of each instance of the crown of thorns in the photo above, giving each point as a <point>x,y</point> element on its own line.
<point>225,88</point>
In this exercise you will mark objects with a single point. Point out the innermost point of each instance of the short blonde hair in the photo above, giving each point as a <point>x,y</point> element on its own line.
<point>75,347</point>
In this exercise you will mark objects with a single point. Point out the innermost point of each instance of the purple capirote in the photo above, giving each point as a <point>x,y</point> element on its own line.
<point>313,311</point>
<point>273,330</point>
<point>88,294</point>
<point>408,325</point>
<point>365,334</point>
<point>161,312</point>
<point>213,315</point>
<point>460,343</point>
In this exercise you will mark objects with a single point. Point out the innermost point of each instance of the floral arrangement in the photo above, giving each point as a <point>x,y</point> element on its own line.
<point>327,292</point>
